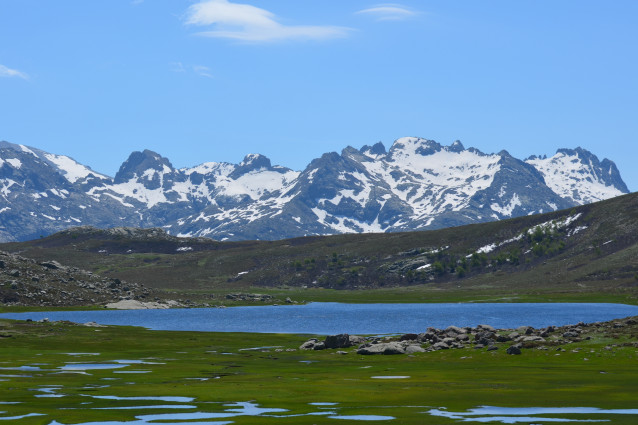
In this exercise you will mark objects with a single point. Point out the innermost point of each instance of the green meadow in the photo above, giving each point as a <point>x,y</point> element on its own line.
<point>52,369</point>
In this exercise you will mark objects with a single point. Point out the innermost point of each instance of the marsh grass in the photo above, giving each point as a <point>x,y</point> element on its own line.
<point>599,373</point>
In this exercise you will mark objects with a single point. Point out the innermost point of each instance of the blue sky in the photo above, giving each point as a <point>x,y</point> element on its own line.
<point>203,81</point>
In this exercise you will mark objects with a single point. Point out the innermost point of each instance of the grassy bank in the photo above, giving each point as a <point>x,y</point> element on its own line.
<point>217,370</point>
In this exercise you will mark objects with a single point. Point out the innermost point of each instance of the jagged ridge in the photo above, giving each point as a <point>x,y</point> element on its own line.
<point>416,184</point>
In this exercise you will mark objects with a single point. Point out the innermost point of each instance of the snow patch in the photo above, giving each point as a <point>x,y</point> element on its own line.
<point>27,150</point>
<point>507,210</point>
<point>15,162</point>
<point>72,170</point>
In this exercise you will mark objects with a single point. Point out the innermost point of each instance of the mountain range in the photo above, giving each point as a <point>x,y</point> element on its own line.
<point>416,184</point>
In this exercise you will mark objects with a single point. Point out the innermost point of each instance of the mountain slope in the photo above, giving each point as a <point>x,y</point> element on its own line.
<point>416,184</point>
<point>585,253</point>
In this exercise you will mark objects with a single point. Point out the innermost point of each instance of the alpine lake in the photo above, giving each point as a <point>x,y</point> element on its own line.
<point>63,370</point>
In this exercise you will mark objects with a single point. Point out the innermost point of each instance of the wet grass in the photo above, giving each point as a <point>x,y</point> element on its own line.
<point>215,369</point>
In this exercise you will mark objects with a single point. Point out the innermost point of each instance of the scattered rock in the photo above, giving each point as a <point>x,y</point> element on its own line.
<point>514,350</point>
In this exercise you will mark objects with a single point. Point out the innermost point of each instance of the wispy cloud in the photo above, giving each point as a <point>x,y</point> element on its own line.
<point>389,12</point>
<point>8,72</point>
<point>252,24</point>
<point>177,67</point>
<point>202,71</point>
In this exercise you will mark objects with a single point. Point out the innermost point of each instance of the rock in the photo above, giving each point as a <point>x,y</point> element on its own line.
<point>319,346</point>
<point>570,334</point>
<point>440,346</point>
<point>428,336</point>
<point>387,348</point>
<point>53,265</point>
<point>533,339</point>
<point>503,338</point>
<point>309,345</point>
<point>484,335</point>
<point>393,348</point>
<point>455,329</point>
<point>338,341</point>
<point>514,350</point>
<point>356,340</point>
<point>411,349</point>
<point>492,348</point>
<point>409,337</point>
<point>486,328</point>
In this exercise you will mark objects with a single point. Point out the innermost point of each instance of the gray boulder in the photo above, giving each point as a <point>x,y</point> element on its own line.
<point>338,341</point>
<point>319,346</point>
<point>514,350</point>
<point>382,348</point>
<point>440,346</point>
<point>309,345</point>
<point>411,349</point>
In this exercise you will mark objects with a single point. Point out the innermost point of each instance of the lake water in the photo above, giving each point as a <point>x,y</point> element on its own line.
<point>334,318</point>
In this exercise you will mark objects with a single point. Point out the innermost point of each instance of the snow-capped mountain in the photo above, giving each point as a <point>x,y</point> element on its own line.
<point>416,184</point>
<point>578,175</point>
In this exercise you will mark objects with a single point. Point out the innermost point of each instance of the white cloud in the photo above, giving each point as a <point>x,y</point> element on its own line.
<point>252,24</point>
<point>203,71</point>
<point>177,67</point>
<point>389,12</point>
<point>8,72</point>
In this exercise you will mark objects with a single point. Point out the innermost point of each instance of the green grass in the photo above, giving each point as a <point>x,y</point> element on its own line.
<point>455,379</point>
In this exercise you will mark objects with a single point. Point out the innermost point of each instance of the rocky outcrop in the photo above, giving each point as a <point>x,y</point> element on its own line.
<point>25,282</point>
<point>481,337</point>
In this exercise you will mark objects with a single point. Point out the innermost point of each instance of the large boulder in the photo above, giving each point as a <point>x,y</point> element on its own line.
<point>338,341</point>
<point>413,348</point>
<point>382,348</point>
<point>309,345</point>
<point>514,350</point>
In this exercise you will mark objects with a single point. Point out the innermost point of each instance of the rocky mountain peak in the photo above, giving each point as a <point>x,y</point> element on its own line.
<point>377,149</point>
<point>251,162</point>
<point>410,146</point>
<point>457,147</point>
<point>578,175</point>
<point>139,163</point>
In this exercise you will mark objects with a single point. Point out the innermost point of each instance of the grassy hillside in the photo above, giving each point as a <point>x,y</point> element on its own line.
<point>588,253</point>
